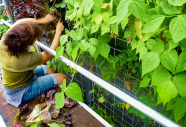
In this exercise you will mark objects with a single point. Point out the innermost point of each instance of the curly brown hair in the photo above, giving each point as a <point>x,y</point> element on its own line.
<point>20,37</point>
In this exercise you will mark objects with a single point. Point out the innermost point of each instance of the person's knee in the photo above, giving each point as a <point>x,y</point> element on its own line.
<point>60,77</point>
<point>50,70</point>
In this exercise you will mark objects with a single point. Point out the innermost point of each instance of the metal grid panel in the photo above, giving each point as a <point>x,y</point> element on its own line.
<point>119,115</point>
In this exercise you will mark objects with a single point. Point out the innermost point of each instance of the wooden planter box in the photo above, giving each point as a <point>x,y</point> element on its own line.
<point>80,116</point>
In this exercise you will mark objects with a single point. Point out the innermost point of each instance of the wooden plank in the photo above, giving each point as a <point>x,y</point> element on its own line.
<point>80,117</point>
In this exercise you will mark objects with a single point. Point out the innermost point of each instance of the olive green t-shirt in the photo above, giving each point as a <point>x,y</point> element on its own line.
<point>18,72</point>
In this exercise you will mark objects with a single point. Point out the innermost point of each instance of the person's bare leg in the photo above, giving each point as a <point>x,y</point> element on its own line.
<point>60,77</point>
<point>51,70</point>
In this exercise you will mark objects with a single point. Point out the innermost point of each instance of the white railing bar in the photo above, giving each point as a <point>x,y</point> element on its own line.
<point>115,91</point>
<point>2,5</point>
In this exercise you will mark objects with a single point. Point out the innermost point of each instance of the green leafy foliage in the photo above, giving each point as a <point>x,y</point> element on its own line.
<point>180,108</point>
<point>153,23</point>
<point>155,45</point>
<point>73,91</point>
<point>169,9</point>
<point>150,62</point>
<point>181,64</point>
<point>60,100</point>
<point>169,59</point>
<point>138,8</point>
<point>145,82</point>
<point>153,52</point>
<point>177,28</point>
<point>177,2</point>
<point>180,81</point>
<point>122,10</point>
<point>165,87</point>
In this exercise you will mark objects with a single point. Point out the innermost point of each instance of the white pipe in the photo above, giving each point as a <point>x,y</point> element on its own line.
<point>115,91</point>
<point>2,5</point>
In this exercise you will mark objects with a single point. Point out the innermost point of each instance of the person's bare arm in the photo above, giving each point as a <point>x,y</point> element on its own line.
<point>45,20</point>
<point>46,55</point>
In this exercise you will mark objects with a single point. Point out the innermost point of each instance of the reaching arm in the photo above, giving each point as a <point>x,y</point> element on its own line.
<point>47,19</point>
<point>46,55</point>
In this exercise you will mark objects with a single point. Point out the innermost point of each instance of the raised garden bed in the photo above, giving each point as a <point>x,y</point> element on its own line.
<point>80,117</point>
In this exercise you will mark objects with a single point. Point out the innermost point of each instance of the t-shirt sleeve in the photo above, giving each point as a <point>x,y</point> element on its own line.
<point>35,59</point>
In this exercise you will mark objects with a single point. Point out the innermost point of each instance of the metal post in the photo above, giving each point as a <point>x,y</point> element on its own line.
<point>88,87</point>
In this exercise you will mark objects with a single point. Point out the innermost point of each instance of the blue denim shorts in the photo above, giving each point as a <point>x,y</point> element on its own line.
<point>40,84</point>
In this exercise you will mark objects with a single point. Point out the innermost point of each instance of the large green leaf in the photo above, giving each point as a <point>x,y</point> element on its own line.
<point>105,28</point>
<point>122,10</point>
<point>155,45</point>
<point>142,53</point>
<point>59,52</point>
<point>60,100</point>
<point>98,4</point>
<point>138,8</point>
<point>181,65</point>
<point>92,50</point>
<point>169,59</point>
<point>106,17</point>
<point>124,22</point>
<point>150,61</point>
<point>104,39</point>
<point>64,86</point>
<point>154,11</point>
<point>98,19</point>
<point>177,28</point>
<point>160,76</point>
<point>94,28</point>
<point>84,45</point>
<point>167,91</point>
<point>145,82</point>
<point>180,108</point>
<point>170,9</point>
<point>141,49</point>
<point>69,48</point>
<point>172,44</point>
<point>73,91</point>
<point>177,2</point>
<point>104,50</point>
<point>180,83</point>
<point>74,53</point>
<point>113,20</point>
<point>114,28</point>
<point>63,39</point>
<point>86,6</point>
<point>153,23</point>
<point>140,46</point>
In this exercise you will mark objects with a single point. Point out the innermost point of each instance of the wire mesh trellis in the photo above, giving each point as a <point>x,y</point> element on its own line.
<point>118,114</point>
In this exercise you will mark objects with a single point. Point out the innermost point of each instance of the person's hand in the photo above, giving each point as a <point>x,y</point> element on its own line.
<point>59,27</point>
<point>49,18</point>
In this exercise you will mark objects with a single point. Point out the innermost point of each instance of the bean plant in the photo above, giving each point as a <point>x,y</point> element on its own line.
<point>154,52</point>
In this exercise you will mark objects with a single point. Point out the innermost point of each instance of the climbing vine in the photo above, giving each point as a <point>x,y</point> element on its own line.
<point>153,52</point>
